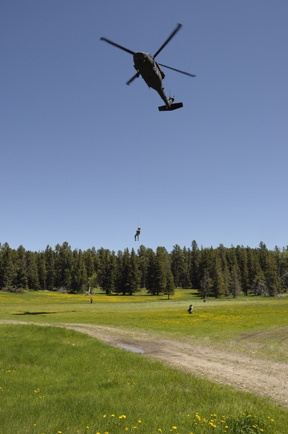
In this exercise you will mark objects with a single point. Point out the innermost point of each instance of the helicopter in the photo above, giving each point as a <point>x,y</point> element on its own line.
<point>150,70</point>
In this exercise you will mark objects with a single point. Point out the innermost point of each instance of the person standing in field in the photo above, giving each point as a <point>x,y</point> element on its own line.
<point>190,309</point>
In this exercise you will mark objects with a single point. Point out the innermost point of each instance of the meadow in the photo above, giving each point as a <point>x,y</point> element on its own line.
<point>59,381</point>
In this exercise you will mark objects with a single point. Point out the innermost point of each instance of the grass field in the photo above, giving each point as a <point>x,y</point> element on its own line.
<point>58,381</point>
<point>247,323</point>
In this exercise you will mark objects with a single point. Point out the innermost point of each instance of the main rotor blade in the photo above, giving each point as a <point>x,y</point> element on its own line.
<point>133,78</point>
<point>168,39</point>
<point>177,70</point>
<point>118,46</point>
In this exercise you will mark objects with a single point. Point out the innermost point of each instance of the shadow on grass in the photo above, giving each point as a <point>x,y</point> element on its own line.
<point>38,313</point>
<point>34,313</point>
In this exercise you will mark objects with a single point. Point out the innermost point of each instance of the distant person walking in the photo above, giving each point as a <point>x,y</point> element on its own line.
<point>190,309</point>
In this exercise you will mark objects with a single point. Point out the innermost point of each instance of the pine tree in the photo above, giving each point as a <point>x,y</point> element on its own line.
<point>235,284</point>
<point>107,270</point>
<point>242,260</point>
<point>206,284</point>
<point>32,271</point>
<point>283,268</point>
<point>128,273</point>
<point>63,266</point>
<point>89,259</point>
<point>8,272</point>
<point>50,268</point>
<point>170,285</point>
<point>226,256</point>
<point>143,265</point>
<point>79,274</point>
<point>218,287</point>
<point>195,265</point>
<point>21,268</point>
<point>160,279</point>
<point>186,282</point>
<point>151,271</point>
<point>135,274</point>
<point>93,281</point>
<point>179,267</point>
<point>42,271</point>
<point>269,268</point>
<point>273,280</point>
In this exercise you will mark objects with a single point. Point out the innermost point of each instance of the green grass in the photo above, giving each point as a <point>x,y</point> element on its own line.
<point>54,380</point>
<point>58,381</point>
<point>251,325</point>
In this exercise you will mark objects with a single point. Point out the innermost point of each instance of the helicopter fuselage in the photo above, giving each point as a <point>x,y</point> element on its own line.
<point>149,70</point>
<point>151,73</point>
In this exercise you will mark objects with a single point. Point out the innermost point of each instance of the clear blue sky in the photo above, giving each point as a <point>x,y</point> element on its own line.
<point>86,159</point>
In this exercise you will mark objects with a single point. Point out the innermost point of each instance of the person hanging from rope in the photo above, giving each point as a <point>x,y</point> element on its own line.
<point>136,236</point>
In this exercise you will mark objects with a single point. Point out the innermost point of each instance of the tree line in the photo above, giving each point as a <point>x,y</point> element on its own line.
<point>214,272</point>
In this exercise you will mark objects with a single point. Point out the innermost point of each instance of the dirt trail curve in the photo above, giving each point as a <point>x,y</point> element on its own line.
<point>261,377</point>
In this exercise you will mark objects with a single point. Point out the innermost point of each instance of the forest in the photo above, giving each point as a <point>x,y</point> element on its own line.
<point>214,272</point>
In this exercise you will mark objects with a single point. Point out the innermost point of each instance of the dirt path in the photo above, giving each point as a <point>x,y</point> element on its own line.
<point>261,377</point>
